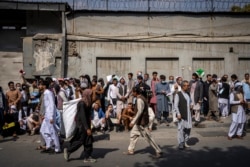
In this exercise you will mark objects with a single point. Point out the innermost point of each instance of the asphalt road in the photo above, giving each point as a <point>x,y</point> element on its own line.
<point>209,147</point>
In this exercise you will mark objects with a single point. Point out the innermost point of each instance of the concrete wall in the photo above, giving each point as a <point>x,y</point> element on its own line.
<point>10,56</point>
<point>179,43</point>
<point>11,63</point>
<point>191,38</point>
<point>138,53</point>
<point>117,24</point>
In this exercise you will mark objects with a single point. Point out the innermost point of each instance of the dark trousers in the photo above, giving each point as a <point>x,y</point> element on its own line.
<point>80,139</point>
<point>8,118</point>
<point>1,121</point>
<point>109,123</point>
<point>205,107</point>
<point>33,107</point>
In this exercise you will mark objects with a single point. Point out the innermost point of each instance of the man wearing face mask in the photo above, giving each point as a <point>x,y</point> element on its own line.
<point>196,93</point>
<point>161,90</point>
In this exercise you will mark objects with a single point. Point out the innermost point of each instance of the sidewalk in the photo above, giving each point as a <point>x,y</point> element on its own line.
<point>203,123</point>
<point>159,132</point>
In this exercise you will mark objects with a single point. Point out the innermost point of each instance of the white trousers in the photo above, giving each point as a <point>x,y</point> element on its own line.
<point>137,131</point>
<point>98,123</point>
<point>183,133</point>
<point>51,140</point>
<point>236,129</point>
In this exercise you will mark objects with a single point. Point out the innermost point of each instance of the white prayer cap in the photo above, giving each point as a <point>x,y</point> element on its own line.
<point>116,77</point>
<point>176,78</point>
<point>122,77</point>
<point>84,85</point>
<point>54,79</point>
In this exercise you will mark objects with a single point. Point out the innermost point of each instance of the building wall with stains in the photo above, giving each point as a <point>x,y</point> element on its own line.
<point>172,44</point>
<point>105,43</point>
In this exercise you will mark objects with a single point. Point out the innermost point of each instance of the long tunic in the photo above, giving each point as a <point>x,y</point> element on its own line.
<point>213,97</point>
<point>162,101</point>
<point>153,99</point>
<point>240,116</point>
<point>49,113</point>
<point>196,106</point>
<point>112,93</point>
<point>186,123</point>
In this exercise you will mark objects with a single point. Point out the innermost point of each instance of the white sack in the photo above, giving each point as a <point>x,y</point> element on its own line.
<point>69,113</point>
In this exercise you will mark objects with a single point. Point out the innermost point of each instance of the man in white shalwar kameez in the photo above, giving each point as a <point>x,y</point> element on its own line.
<point>238,112</point>
<point>182,108</point>
<point>48,128</point>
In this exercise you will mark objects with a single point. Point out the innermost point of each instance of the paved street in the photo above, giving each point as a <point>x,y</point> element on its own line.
<point>209,147</point>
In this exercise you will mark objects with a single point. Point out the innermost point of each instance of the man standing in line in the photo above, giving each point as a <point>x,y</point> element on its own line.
<point>161,91</point>
<point>171,96</point>
<point>122,96</point>
<point>34,94</point>
<point>144,87</point>
<point>182,106</point>
<point>206,85</point>
<point>237,103</point>
<point>131,84</point>
<point>177,88</point>
<point>246,91</point>
<point>112,92</point>
<point>48,127</point>
<point>213,100</point>
<point>224,90</point>
<point>139,125</point>
<point>153,99</point>
<point>196,92</point>
<point>147,80</point>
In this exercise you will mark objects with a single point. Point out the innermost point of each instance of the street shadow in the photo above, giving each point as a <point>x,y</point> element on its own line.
<point>150,150</point>
<point>7,139</point>
<point>97,153</point>
<point>192,141</point>
<point>99,137</point>
<point>205,157</point>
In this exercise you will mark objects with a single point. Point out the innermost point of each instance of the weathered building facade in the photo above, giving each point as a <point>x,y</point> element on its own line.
<point>68,43</point>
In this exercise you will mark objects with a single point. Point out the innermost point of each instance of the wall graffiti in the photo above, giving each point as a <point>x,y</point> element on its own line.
<point>72,49</point>
<point>45,53</point>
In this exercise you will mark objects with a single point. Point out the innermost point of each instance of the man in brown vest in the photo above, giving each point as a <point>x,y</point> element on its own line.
<point>238,112</point>
<point>139,125</point>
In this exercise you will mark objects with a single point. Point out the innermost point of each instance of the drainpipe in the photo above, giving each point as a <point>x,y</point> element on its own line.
<point>63,60</point>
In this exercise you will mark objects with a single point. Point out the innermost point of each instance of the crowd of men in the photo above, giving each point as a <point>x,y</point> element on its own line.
<point>119,104</point>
